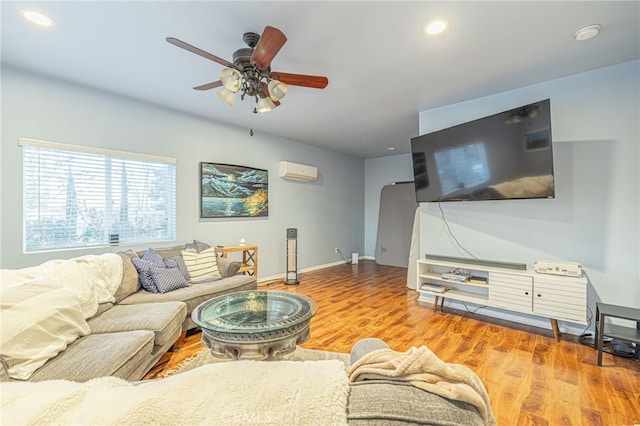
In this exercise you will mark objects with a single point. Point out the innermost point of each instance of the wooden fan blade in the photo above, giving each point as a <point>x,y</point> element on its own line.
<point>312,81</point>
<point>270,43</point>
<point>209,86</point>
<point>197,51</point>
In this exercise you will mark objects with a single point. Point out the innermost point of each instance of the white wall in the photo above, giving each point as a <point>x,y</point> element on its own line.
<point>379,172</point>
<point>595,216</point>
<point>327,212</point>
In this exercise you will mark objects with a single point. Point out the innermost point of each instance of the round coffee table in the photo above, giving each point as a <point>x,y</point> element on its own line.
<point>254,324</point>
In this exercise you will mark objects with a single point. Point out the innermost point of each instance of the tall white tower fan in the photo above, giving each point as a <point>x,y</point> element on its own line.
<point>292,257</point>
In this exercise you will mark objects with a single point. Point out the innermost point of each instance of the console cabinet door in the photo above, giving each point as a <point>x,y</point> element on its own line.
<point>560,298</point>
<point>512,292</point>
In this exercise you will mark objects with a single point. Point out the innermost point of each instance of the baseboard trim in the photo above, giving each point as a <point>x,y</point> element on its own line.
<point>311,268</point>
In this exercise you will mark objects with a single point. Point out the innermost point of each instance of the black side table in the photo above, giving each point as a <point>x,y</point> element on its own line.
<point>628,334</point>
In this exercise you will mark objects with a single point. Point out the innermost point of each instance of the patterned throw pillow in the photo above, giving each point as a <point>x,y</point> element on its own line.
<point>152,256</point>
<point>203,265</point>
<point>143,267</point>
<point>160,275</point>
<point>167,279</point>
<point>177,262</point>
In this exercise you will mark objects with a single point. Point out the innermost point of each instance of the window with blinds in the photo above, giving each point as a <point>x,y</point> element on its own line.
<point>77,196</point>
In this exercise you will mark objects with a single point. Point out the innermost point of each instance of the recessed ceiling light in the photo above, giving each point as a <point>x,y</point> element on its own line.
<point>38,18</point>
<point>391,148</point>
<point>587,32</point>
<point>436,27</point>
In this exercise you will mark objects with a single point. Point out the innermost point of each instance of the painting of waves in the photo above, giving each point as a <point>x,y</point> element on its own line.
<point>227,190</point>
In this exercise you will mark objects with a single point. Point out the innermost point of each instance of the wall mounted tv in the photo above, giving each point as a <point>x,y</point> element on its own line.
<point>503,156</point>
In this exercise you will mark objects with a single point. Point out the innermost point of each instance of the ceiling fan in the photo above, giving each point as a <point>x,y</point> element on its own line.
<point>250,72</point>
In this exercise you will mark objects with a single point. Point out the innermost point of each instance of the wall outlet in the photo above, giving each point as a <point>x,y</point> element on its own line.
<point>336,250</point>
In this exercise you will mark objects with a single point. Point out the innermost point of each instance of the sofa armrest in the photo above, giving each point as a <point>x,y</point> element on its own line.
<point>364,346</point>
<point>228,267</point>
<point>392,402</point>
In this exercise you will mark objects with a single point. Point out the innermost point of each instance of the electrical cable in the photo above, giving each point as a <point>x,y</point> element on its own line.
<point>343,258</point>
<point>472,312</point>
<point>584,332</point>
<point>587,340</point>
<point>450,234</point>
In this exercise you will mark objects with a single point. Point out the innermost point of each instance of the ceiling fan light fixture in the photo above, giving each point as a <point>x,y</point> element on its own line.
<point>228,96</point>
<point>277,90</point>
<point>265,104</point>
<point>231,79</point>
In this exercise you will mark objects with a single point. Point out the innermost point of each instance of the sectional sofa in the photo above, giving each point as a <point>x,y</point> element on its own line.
<point>108,341</point>
<point>91,316</point>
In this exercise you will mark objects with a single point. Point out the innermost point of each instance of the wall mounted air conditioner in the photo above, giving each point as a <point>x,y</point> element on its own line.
<point>294,171</point>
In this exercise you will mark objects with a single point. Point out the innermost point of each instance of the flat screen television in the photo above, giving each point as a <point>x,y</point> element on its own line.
<point>503,156</point>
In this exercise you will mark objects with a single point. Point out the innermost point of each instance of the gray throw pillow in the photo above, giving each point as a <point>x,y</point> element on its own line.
<point>177,262</point>
<point>144,267</point>
<point>196,246</point>
<point>152,256</point>
<point>167,279</point>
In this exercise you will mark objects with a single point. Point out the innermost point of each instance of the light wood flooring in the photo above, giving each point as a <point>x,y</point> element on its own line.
<point>531,378</point>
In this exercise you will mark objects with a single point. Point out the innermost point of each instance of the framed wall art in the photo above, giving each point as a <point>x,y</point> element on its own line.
<point>227,190</point>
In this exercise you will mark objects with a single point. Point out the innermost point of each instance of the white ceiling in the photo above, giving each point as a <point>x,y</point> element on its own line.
<point>382,69</point>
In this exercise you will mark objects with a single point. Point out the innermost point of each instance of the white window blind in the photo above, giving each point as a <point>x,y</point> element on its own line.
<point>79,196</point>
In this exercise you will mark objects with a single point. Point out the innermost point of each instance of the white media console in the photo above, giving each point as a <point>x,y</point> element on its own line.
<point>518,290</point>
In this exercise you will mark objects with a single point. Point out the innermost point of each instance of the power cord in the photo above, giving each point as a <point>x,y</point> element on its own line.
<point>607,346</point>
<point>343,258</point>
<point>450,234</point>
<point>471,311</point>
<point>584,333</point>
<point>588,339</point>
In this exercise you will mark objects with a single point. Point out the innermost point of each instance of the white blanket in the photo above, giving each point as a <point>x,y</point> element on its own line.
<point>423,369</point>
<point>239,393</point>
<point>94,278</point>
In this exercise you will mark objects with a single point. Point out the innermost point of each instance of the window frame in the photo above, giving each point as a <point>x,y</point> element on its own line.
<point>110,156</point>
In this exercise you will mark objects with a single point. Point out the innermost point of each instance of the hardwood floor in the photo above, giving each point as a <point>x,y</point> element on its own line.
<point>531,378</point>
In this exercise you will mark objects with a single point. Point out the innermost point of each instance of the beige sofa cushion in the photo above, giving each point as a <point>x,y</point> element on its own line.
<point>195,294</point>
<point>161,318</point>
<point>130,282</point>
<point>99,355</point>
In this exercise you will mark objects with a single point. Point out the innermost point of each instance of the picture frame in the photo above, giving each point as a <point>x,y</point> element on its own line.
<point>229,190</point>
<point>538,140</point>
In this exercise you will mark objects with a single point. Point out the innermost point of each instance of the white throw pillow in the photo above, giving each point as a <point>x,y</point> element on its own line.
<point>201,265</point>
<point>38,319</point>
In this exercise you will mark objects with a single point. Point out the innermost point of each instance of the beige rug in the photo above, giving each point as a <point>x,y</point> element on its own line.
<point>300,354</point>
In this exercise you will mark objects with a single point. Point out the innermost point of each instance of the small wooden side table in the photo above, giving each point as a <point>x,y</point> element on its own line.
<point>249,257</point>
